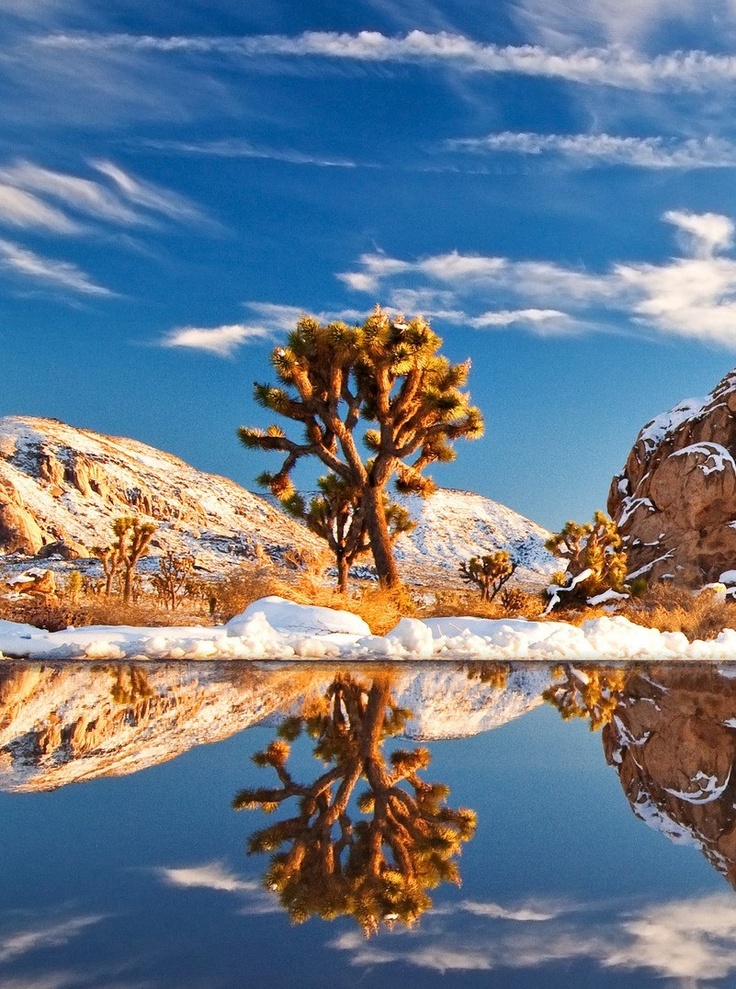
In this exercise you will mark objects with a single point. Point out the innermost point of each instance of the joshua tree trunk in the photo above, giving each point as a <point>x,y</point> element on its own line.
<point>375,520</point>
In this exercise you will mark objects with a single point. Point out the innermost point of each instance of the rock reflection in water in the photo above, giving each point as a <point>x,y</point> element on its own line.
<point>373,858</point>
<point>672,740</point>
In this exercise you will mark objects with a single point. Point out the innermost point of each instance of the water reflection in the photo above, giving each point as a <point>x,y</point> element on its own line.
<point>375,858</point>
<point>672,741</point>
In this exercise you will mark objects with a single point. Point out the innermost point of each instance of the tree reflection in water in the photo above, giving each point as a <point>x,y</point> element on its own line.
<point>587,690</point>
<point>374,859</point>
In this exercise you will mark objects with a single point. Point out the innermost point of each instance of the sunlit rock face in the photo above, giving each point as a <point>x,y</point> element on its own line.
<point>675,499</point>
<point>68,724</point>
<point>672,740</point>
<point>65,486</point>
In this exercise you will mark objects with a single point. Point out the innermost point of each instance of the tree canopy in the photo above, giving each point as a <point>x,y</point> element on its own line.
<point>388,373</point>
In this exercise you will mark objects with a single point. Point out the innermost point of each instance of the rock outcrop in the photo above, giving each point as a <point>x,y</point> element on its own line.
<point>672,740</point>
<point>675,500</point>
<point>61,488</point>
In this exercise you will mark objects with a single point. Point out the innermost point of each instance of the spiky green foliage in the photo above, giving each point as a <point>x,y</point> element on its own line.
<point>596,560</point>
<point>376,868</point>
<point>389,373</point>
<point>489,573</point>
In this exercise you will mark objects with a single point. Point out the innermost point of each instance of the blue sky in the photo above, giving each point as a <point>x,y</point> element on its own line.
<point>550,182</point>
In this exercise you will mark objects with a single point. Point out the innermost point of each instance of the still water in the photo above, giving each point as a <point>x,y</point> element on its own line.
<point>454,829</point>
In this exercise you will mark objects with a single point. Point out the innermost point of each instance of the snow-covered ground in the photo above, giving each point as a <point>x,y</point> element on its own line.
<point>273,628</point>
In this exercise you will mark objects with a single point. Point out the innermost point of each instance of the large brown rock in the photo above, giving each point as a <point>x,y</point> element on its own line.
<point>675,499</point>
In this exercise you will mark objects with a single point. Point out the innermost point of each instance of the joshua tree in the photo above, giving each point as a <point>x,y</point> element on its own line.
<point>336,515</point>
<point>388,372</point>
<point>171,581</point>
<point>489,573</point>
<point>596,561</point>
<point>376,869</point>
<point>131,542</point>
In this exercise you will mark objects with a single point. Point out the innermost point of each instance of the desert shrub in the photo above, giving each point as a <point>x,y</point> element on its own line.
<point>516,602</point>
<point>240,588</point>
<point>42,614</point>
<point>382,607</point>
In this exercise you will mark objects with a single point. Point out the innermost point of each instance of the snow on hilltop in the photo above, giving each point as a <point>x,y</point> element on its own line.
<point>60,484</point>
<point>454,525</point>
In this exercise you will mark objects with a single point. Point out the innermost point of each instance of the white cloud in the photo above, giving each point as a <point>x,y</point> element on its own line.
<point>607,149</point>
<point>704,233</point>
<point>220,340</point>
<point>21,209</point>
<point>58,274</point>
<point>80,194</point>
<point>693,297</point>
<point>48,935</point>
<point>688,940</point>
<point>212,875</point>
<point>612,66</point>
<point>150,196</point>
<point>618,21</point>
<point>239,148</point>
<point>534,912</point>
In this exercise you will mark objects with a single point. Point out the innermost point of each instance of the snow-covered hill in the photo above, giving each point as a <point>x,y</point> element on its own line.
<point>62,487</point>
<point>454,525</point>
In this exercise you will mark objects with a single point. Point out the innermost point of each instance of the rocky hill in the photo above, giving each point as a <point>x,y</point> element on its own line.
<point>62,487</point>
<point>675,499</point>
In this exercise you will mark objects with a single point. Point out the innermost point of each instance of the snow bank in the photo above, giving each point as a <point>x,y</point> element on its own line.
<point>274,628</point>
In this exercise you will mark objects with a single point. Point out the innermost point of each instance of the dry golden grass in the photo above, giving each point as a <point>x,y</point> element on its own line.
<point>673,609</point>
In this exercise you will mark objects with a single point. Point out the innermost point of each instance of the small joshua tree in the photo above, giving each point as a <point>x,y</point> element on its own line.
<point>174,573</point>
<point>131,543</point>
<point>596,560</point>
<point>336,514</point>
<point>489,573</point>
<point>587,691</point>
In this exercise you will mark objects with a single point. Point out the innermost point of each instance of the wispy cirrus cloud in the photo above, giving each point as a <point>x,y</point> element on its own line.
<point>211,875</point>
<point>22,209</point>
<point>610,66</point>
<point>216,877</point>
<point>220,340</point>
<point>691,296</point>
<point>239,148</point>
<point>49,934</point>
<point>47,272</point>
<point>686,940</point>
<point>273,319</point>
<point>606,149</point>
